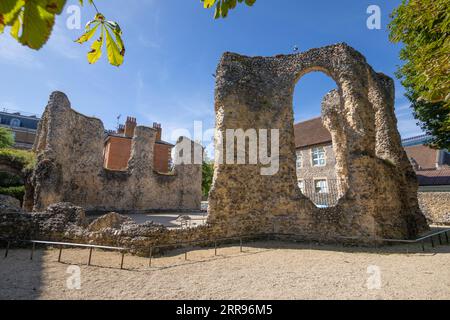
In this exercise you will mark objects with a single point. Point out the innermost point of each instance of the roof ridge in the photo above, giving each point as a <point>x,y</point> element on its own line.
<point>309,120</point>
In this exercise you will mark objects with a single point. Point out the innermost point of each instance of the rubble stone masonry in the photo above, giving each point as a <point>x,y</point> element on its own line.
<point>257,93</point>
<point>71,169</point>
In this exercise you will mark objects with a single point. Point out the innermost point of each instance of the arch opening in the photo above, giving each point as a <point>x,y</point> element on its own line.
<point>316,154</point>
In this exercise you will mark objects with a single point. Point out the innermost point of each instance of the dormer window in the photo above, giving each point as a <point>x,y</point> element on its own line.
<point>15,123</point>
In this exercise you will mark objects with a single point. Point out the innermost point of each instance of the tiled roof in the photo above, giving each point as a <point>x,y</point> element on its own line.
<point>434,177</point>
<point>424,156</point>
<point>310,133</point>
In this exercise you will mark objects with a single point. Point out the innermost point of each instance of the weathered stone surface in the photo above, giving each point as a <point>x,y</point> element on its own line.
<point>436,206</point>
<point>57,220</point>
<point>51,224</point>
<point>381,187</point>
<point>14,223</point>
<point>9,201</point>
<point>111,220</point>
<point>70,168</point>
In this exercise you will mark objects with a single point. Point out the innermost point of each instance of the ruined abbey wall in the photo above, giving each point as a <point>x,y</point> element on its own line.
<point>70,168</point>
<point>381,187</point>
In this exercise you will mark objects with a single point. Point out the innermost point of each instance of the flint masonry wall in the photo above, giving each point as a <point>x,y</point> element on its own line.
<point>436,206</point>
<point>70,168</point>
<point>257,93</point>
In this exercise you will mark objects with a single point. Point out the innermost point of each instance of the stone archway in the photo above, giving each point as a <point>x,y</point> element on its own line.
<point>256,93</point>
<point>314,134</point>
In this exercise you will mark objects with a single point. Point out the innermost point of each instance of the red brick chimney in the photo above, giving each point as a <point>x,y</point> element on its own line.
<point>130,125</point>
<point>157,126</point>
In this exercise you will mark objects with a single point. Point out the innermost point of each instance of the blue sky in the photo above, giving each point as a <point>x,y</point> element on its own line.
<point>173,47</point>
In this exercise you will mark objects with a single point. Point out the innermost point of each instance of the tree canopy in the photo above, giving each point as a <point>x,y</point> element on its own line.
<point>223,6</point>
<point>423,26</point>
<point>6,138</point>
<point>207,176</point>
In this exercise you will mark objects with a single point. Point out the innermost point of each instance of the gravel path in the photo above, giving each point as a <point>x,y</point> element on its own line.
<point>263,271</point>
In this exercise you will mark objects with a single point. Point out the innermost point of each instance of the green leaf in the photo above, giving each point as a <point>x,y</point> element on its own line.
<point>96,49</point>
<point>37,25</point>
<point>91,29</point>
<point>118,35</point>
<point>208,3</point>
<point>15,30</point>
<point>34,18</point>
<point>9,12</point>
<point>114,54</point>
<point>223,6</point>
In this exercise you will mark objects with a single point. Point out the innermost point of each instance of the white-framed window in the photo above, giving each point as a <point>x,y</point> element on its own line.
<point>321,186</point>
<point>299,161</point>
<point>301,185</point>
<point>15,123</point>
<point>318,157</point>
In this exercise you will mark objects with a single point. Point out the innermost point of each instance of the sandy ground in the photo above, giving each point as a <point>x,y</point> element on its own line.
<point>267,270</point>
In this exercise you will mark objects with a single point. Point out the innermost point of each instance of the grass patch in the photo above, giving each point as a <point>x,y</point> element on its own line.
<point>15,192</point>
<point>19,158</point>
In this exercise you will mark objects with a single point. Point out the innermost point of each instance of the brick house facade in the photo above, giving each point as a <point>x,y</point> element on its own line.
<point>117,149</point>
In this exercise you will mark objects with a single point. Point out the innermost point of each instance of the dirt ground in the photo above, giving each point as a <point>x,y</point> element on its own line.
<point>268,270</point>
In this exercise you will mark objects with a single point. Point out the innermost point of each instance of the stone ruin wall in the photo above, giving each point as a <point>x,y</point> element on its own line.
<point>70,168</point>
<point>436,207</point>
<point>257,93</point>
<point>251,93</point>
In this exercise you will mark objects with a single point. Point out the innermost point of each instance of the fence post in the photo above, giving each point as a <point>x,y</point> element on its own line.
<point>423,245</point>
<point>446,236</point>
<point>7,249</point>
<point>60,253</point>
<point>121,262</point>
<point>150,254</point>
<point>90,256</point>
<point>32,250</point>
<point>440,239</point>
<point>432,241</point>
<point>185,255</point>
<point>240,242</point>
<point>215,247</point>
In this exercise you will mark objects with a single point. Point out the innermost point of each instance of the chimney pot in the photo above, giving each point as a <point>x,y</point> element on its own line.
<point>158,128</point>
<point>130,126</point>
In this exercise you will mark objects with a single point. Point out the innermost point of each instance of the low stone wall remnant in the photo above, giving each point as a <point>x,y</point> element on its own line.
<point>436,207</point>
